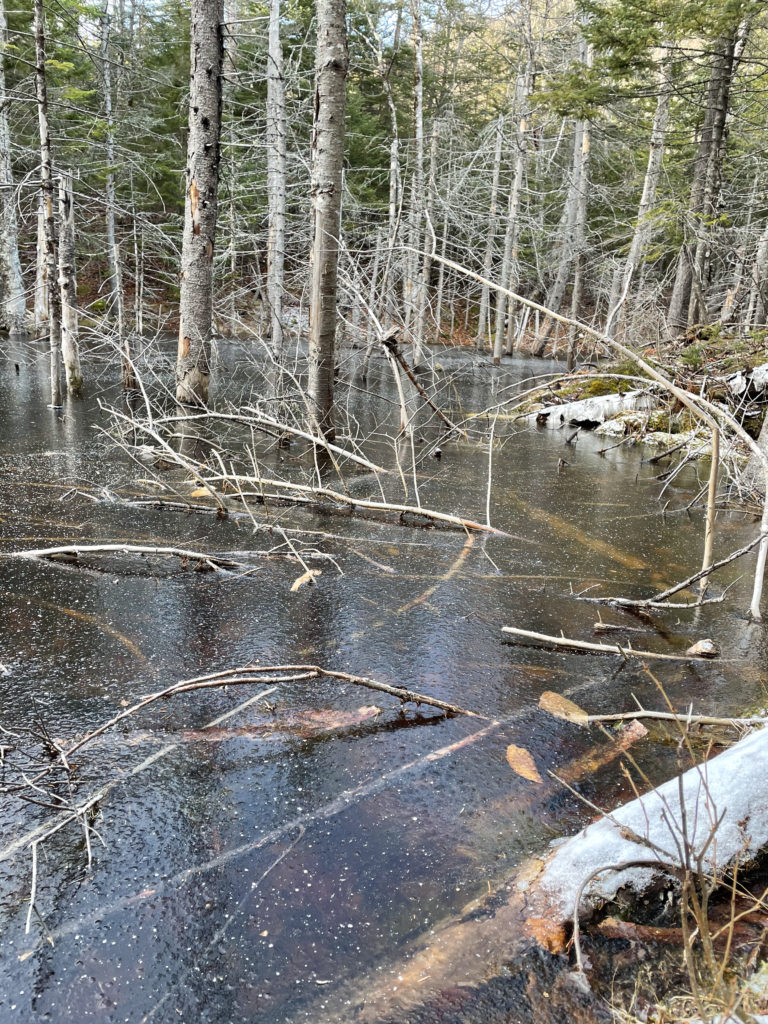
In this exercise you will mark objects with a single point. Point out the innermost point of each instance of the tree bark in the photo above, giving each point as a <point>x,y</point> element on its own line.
<point>276,186</point>
<point>327,158</point>
<point>49,223</point>
<point>70,349</point>
<point>14,308</point>
<point>201,205</point>
<point>580,226</point>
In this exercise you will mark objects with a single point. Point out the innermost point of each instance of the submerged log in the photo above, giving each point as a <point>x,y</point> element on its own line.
<point>717,811</point>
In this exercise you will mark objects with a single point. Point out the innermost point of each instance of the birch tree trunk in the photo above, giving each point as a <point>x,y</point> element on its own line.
<point>276,186</point>
<point>484,325</point>
<point>201,204</point>
<point>49,223</point>
<point>327,158</point>
<point>14,308</point>
<point>70,349</point>
<point>622,279</point>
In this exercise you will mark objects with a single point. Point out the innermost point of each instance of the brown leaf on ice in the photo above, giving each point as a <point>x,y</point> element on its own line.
<point>520,761</point>
<point>561,707</point>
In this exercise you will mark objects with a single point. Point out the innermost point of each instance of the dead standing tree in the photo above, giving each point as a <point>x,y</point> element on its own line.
<point>331,67</point>
<point>201,205</point>
<point>13,309</point>
<point>49,223</point>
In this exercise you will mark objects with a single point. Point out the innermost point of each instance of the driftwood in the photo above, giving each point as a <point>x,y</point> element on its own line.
<point>272,675</point>
<point>545,640</point>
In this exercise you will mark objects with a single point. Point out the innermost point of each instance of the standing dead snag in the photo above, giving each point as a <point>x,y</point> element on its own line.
<point>13,309</point>
<point>49,223</point>
<point>331,66</point>
<point>68,285</point>
<point>201,205</point>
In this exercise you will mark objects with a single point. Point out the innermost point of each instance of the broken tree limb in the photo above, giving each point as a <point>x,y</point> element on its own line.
<point>261,674</point>
<point>660,600</point>
<point>389,341</point>
<point>253,417</point>
<point>352,502</point>
<point>583,645</point>
<point>561,707</point>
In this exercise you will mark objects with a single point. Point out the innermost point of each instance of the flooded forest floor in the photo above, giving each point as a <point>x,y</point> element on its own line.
<point>299,861</point>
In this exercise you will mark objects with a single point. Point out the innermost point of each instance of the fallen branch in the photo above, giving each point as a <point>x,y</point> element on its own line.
<point>345,499</point>
<point>583,645</point>
<point>660,600</point>
<point>389,341</point>
<point>262,674</point>
<point>253,417</point>
<point>213,561</point>
<point>75,550</point>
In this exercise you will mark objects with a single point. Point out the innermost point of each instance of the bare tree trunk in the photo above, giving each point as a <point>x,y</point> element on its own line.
<point>383,69</point>
<point>231,9</point>
<point>13,311</point>
<point>276,186</point>
<point>49,223</point>
<point>106,76</point>
<point>414,297</point>
<point>556,293</point>
<point>41,271</point>
<point>757,305</point>
<point>426,264</point>
<point>687,293</point>
<point>509,261</point>
<point>70,348</point>
<point>201,205</point>
<point>331,67</point>
<point>622,279</point>
<point>484,325</point>
<point>580,226</point>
